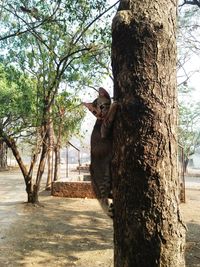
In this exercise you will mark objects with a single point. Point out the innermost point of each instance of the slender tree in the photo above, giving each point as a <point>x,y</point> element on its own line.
<point>19,122</point>
<point>188,43</point>
<point>191,2</point>
<point>58,43</point>
<point>3,155</point>
<point>148,230</point>
<point>188,127</point>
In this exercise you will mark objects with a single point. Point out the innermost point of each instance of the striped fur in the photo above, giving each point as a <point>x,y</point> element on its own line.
<point>101,149</point>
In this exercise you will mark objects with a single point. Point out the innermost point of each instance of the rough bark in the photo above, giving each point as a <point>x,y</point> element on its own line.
<point>148,230</point>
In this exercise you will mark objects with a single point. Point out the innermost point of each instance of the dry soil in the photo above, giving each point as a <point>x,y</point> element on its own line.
<point>68,232</point>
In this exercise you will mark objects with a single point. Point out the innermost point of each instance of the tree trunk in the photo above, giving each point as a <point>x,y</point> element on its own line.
<point>41,166</point>
<point>31,189</point>
<point>26,174</point>
<point>50,152</point>
<point>3,155</point>
<point>57,163</point>
<point>45,134</point>
<point>50,169</point>
<point>186,161</point>
<point>148,230</point>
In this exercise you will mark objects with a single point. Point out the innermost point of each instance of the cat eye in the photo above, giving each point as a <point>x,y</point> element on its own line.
<point>102,106</point>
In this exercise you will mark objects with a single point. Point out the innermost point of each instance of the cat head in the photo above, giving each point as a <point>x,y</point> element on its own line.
<point>101,105</point>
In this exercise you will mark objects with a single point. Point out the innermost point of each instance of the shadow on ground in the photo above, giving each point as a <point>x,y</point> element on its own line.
<point>58,234</point>
<point>193,245</point>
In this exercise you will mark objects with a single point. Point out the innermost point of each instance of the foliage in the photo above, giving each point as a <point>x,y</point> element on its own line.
<point>188,48</point>
<point>17,102</point>
<point>188,39</point>
<point>70,39</point>
<point>62,47</point>
<point>189,118</point>
<point>67,115</point>
<point>58,43</point>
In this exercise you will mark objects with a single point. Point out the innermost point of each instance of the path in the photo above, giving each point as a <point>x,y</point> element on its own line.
<point>65,232</point>
<point>69,232</point>
<point>191,216</point>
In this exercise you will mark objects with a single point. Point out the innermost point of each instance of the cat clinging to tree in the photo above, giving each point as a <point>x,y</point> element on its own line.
<point>101,148</point>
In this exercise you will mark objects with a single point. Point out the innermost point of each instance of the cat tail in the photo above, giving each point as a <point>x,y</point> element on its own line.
<point>103,200</point>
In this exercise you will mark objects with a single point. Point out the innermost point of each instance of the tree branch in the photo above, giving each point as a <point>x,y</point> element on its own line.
<point>188,2</point>
<point>28,25</point>
<point>93,21</point>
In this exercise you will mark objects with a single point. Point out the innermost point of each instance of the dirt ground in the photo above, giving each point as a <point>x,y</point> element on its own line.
<point>69,232</point>
<point>191,216</point>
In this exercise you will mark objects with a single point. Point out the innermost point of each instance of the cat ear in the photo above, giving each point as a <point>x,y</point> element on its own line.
<point>103,92</point>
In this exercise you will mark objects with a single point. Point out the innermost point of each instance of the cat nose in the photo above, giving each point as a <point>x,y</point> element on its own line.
<point>101,107</point>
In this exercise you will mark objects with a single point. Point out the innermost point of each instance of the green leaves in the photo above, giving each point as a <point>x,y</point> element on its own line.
<point>17,96</point>
<point>189,119</point>
<point>61,47</point>
<point>67,115</point>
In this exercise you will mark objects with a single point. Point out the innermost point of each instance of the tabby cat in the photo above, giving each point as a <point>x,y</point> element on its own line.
<point>101,148</point>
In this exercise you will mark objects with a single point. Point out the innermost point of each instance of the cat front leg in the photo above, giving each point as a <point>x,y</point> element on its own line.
<point>108,120</point>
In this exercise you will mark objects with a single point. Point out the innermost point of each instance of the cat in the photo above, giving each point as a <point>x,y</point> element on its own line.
<point>101,148</point>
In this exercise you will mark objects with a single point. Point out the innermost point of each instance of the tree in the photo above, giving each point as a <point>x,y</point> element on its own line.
<point>188,49</point>
<point>188,42</point>
<point>3,155</point>
<point>148,230</point>
<point>56,52</point>
<point>191,2</point>
<point>188,127</point>
<point>66,121</point>
<point>20,121</point>
<point>17,113</point>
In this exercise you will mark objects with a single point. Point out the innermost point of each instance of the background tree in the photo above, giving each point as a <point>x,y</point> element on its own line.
<point>190,2</point>
<point>17,111</point>
<point>148,230</point>
<point>3,155</point>
<point>66,120</point>
<point>189,118</point>
<point>19,122</point>
<point>63,50</point>
<point>188,41</point>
